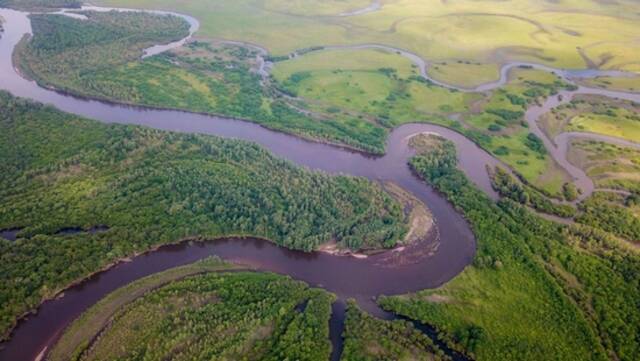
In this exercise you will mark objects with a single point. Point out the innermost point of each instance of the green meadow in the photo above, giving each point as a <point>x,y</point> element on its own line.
<point>595,114</point>
<point>568,34</point>
<point>609,165</point>
<point>376,84</point>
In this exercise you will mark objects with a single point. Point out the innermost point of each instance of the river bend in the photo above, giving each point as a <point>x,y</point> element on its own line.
<point>449,249</point>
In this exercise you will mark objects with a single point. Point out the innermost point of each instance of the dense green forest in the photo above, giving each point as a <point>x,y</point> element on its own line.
<point>93,320</point>
<point>369,338</point>
<point>64,51</point>
<point>152,187</point>
<point>35,5</point>
<point>235,316</point>
<point>536,288</point>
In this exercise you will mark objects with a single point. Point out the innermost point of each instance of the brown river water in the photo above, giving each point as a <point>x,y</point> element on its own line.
<point>429,264</point>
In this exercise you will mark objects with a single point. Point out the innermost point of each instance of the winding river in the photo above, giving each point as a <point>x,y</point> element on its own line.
<point>428,264</point>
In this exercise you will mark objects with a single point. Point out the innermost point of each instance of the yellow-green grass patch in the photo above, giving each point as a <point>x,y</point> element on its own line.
<point>497,31</point>
<point>464,74</point>
<point>609,165</point>
<point>629,84</point>
<point>617,126</point>
<point>344,60</point>
<point>540,171</point>
<point>315,7</point>
<point>435,99</point>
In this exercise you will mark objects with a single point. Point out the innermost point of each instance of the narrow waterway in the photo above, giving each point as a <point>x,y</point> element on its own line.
<point>433,262</point>
<point>430,263</point>
<point>558,147</point>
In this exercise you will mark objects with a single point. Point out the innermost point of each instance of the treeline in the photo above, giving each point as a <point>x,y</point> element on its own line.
<point>368,338</point>
<point>245,316</point>
<point>152,187</point>
<point>536,288</point>
<point>608,214</point>
<point>507,186</point>
<point>64,51</point>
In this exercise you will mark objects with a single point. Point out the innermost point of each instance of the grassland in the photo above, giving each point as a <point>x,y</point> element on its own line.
<point>375,84</point>
<point>577,34</point>
<point>625,126</point>
<point>211,315</point>
<point>629,84</point>
<point>498,125</point>
<point>313,8</point>
<point>464,74</point>
<point>535,288</point>
<point>595,114</point>
<point>152,188</point>
<point>345,60</point>
<point>358,82</point>
<point>609,165</point>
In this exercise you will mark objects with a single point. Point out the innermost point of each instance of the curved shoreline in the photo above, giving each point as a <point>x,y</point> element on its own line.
<point>194,24</point>
<point>456,244</point>
<point>423,65</point>
<point>439,259</point>
<point>558,146</point>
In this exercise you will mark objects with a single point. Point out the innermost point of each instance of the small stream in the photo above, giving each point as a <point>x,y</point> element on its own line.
<point>428,264</point>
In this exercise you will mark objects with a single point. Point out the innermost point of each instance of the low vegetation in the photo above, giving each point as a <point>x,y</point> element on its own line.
<point>465,74</point>
<point>203,77</point>
<point>627,84</point>
<point>559,33</point>
<point>374,85</point>
<point>595,114</point>
<point>499,126</point>
<point>614,169</point>
<point>536,288</point>
<point>608,165</point>
<point>242,315</point>
<point>151,188</point>
<point>347,96</point>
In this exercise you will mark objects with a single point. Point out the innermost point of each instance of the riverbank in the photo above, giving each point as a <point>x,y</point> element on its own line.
<point>93,321</point>
<point>361,278</point>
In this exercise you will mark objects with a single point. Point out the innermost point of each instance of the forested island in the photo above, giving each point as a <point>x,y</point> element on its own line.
<point>128,242</point>
<point>149,188</point>
<point>254,315</point>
